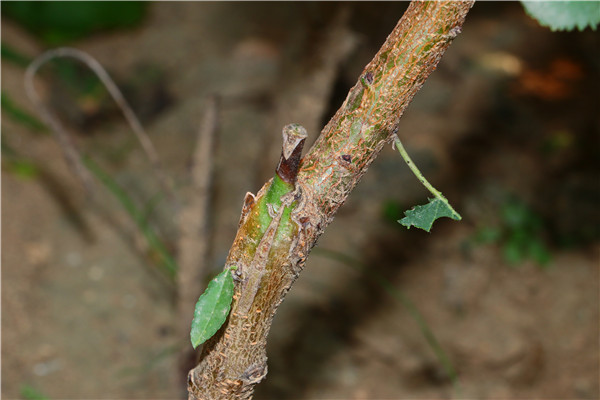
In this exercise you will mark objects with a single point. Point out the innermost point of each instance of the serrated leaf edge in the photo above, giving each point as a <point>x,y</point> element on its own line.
<point>555,26</point>
<point>438,203</point>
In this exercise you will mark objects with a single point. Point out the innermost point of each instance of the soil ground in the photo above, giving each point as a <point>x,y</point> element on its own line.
<point>509,121</point>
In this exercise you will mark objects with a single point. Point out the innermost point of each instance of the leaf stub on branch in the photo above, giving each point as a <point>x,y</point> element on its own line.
<point>294,136</point>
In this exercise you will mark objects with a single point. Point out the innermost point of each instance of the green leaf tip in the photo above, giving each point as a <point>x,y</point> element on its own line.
<point>423,216</point>
<point>212,308</point>
<point>564,15</point>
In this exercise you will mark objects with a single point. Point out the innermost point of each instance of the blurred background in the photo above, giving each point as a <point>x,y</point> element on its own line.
<point>503,304</point>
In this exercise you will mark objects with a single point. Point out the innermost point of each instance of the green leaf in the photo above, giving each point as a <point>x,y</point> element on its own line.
<point>424,216</point>
<point>212,308</point>
<point>564,15</point>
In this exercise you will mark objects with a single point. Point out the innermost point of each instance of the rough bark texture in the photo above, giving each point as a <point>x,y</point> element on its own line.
<point>234,360</point>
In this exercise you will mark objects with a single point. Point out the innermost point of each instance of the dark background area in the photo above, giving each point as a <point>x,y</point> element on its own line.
<point>507,128</point>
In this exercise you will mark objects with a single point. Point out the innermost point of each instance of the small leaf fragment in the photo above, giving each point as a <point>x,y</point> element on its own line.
<point>212,308</point>
<point>423,216</point>
<point>564,15</point>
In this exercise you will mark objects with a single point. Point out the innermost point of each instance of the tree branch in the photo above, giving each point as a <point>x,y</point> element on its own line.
<point>234,360</point>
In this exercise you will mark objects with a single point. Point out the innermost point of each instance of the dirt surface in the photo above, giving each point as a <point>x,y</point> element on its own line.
<point>509,117</point>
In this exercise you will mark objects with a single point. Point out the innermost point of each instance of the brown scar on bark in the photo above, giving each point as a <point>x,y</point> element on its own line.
<point>294,136</point>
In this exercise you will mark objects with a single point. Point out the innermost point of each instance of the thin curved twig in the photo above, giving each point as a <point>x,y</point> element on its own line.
<point>71,154</point>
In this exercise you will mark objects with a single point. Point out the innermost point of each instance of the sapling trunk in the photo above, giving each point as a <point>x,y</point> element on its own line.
<point>270,248</point>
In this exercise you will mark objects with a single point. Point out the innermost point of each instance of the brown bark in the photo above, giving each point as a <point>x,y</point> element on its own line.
<point>234,360</point>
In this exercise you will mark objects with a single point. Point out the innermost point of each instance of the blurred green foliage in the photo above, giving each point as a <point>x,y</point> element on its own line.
<point>13,56</point>
<point>78,77</point>
<point>30,393</point>
<point>18,114</point>
<point>15,164</point>
<point>58,22</point>
<point>392,211</point>
<point>20,168</point>
<point>520,233</point>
